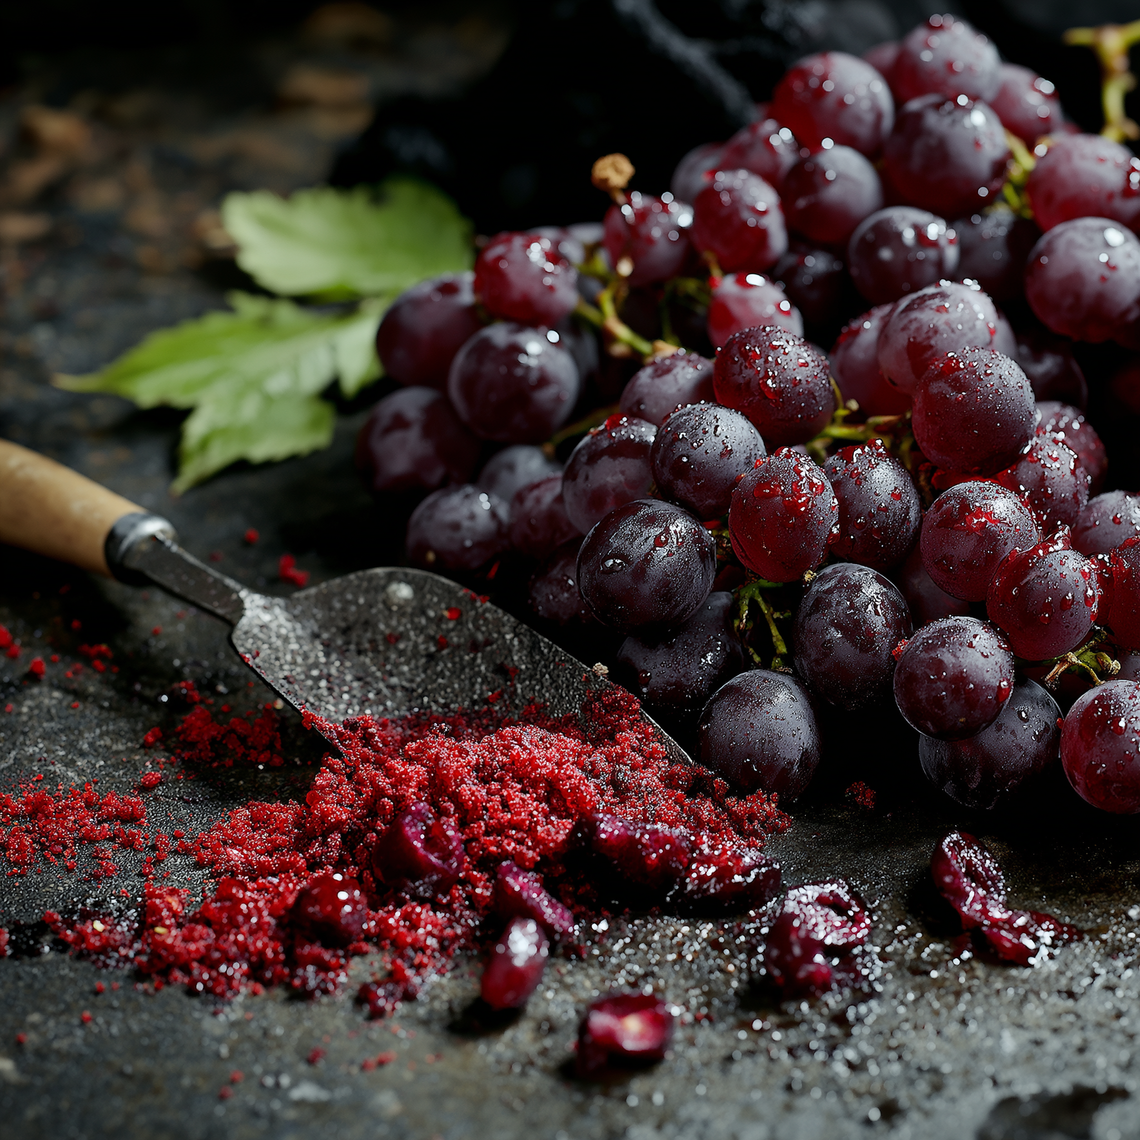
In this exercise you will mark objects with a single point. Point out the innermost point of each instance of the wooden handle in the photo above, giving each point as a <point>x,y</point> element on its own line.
<point>50,509</point>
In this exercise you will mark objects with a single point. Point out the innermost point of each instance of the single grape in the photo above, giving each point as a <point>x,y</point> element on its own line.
<point>1083,279</point>
<point>1085,176</point>
<point>425,327</point>
<point>609,467</point>
<point>622,1029</point>
<point>1100,747</point>
<point>513,384</point>
<point>1106,521</point>
<point>457,528</point>
<point>828,193</point>
<point>882,58</point>
<point>779,381</point>
<point>855,366</point>
<point>647,566</point>
<point>513,468</point>
<point>764,147</point>
<point>968,531</point>
<point>939,319</point>
<point>974,411</point>
<point>331,909</point>
<point>946,155</point>
<point>1044,599</point>
<point>899,250</point>
<point>1070,426</point>
<point>522,277</point>
<point>743,301</point>
<point>835,96</point>
<point>738,219</point>
<point>1129,666</point>
<point>689,178</point>
<point>520,894</point>
<point>1051,481</point>
<point>648,236</point>
<point>1027,104</point>
<point>675,674</point>
<point>947,57</point>
<point>667,383</point>
<point>759,732</point>
<point>538,518</point>
<point>514,969</point>
<point>570,242</point>
<point>1123,616</point>
<point>994,248</point>
<point>1048,361</point>
<point>879,506</point>
<point>699,455</point>
<point>952,677</point>
<point>413,439</point>
<point>552,593</point>
<point>783,516</point>
<point>988,769</point>
<point>927,601</point>
<point>420,854</point>
<point>846,628</point>
<point>816,282</point>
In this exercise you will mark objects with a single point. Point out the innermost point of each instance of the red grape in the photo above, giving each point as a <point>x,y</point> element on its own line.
<point>1048,361</point>
<point>1123,616</point>
<point>538,521</point>
<point>828,193</point>
<point>667,383</point>
<point>855,366</point>
<point>1100,747</point>
<point>552,592</point>
<point>1070,426</point>
<point>1083,176</point>
<point>689,178</point>
<point>899,250</point>
<point>764,147</point>
<point>522,277</point>
<point>513,468</point>
<point>947,57</point>
<point>927,601</point>
<point>816,283</point>
<point>743,301</point>
<point>1106,522</point>
<point>609,467</point>
<point>649,236</point>
<point>994,248</point>
<point>457,528</point>
<point>737,218</point>
<point>1027,104</point>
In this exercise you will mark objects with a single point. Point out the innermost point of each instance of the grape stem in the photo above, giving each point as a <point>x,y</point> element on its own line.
<point>753,592</point>
<point>1111,43</point>
<point>1020,167</point>
<point>579,427</point>
<point>623,341</point>
<point>1094,663</point>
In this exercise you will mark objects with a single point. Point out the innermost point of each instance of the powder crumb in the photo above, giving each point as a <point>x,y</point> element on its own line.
<point>287,571</point>
<point>251,537</point>
<point>37,667</point>
<point>863,795</point>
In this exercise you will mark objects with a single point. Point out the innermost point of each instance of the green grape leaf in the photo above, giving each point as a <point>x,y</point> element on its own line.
<point>348,243</point>
<point>253,378</point>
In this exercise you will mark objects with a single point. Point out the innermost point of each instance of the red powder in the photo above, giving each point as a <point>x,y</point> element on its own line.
<point>150,780</point>
<point>862,794</point>
<point>517,791</point>
<point>252,537</point>
<point>5,637</point>
<point>287,571</point>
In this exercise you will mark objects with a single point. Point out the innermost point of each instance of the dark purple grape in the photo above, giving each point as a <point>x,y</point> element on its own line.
<point>570,242</point>
<point>937,320</point>
<point>764,147</point>
<point>835,96</point>
<point>846,628</point>
<point>1044,599</point>
<point>331,909</point>
<point>743,301</point>
<point>419,854</point>
<point>783,517</point>
<point>737,218</point>
<point>1106,522</point>
<point>520,894</point>
<point>1100,747</point>
<point>1027,104</point>
<point>522,277</point>
<point>609,467</point>
<point>882,58</point>
<point>648,236</point>
<point>974,412</point>
<point>1085,176</point>
<point>667,383</point>
<point>425,327</point>
<point>946,155</point>
<point>1083,279</point>
<point>779,381</point>
<point>953,677</point>
<point>968,531</point>
<point>641,855</point>
<point>947,57</point>
<point>457,528</point>
<point>1123,610</point>
<point>816,282</point>
<point>514,968</point>
<point>900,250</point>
<point>828,193</point>
<point>538,518</point>
<point>620,1030</point>
<point>1051,480</point>
<point>674,675</point>
<point>994,248</point>
<point>759,733</point>
<point>1070,426</point>
<point>689,178</point>
<point>513,384</point>
<point>855,366</point>
<point>553,594</point>
<point>989,768</point>
<point>927,601</point>
<point>513,468</point>
<point>647,565</point>
<point>1129,666</point>
<point>1052,368</point>
<point>879,506</point>
<point>413,439</point>
<point>701,452</point>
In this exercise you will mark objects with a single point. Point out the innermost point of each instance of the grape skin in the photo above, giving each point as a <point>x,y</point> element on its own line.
<point>898,250</point>
<point>1051,480</point>
<point>1027,104</point>
<point>652,233</point>
<point>513,468</point>
<point>1123,616</point>
<point>1100,747</point>
<point>689,177</point>
<point>667,383</point>
<point>927,601</point>
<point>552,592</point>
<point>855,366</point>
<point>609,467</point>
<point>1106,522</point>
<point>994,248</point>
<point>1068,424</point>
<point>738,219</point>
<point>828,193</point>
<point>538,521</point>
<point>457,528</point>
<point>1052,369</point>
<point>1083,176</point>
<point>522,277</point>
<point>743,301</point>
<point>948,57</point>
<point>765,147</point>
<point>817,284</point>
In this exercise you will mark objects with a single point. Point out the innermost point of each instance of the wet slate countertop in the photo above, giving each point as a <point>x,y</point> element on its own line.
<point>948,1045</point>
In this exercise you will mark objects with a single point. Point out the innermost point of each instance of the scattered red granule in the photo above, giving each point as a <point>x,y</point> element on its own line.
<point>454,613</point>
<point>21,1038</point>
<point>94,652</point>
<point>441,641</point>
<point>76,624</point>
<point>251,536</point>
<point>287,571</point>
<point>37,667</point>
<point>370,1063</point>
<point>9,708</point>
<point>13,651</point>
<point>205,742</point>
<point>152,737</point>
<point>75,704</point>
<point>316,1056</point>
<point>85,1017</point>
<point>3,943</point>
<point>216,556</point>
<point>5,637</point>
<point>236,1077</point>
<point>54,658</point>
<point>150,780</point>
<point>100,988</point>
<point>863,795</point>
<point>225,1092</point>
<point>157,631</point>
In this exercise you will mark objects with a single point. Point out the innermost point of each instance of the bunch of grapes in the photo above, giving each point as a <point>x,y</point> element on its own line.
<point>627,425</point>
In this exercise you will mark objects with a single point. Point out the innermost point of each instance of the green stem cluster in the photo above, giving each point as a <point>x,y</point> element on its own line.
<point>752,593</point>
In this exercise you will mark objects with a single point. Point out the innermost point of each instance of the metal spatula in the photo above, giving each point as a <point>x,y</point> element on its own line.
<point>387,641</point>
